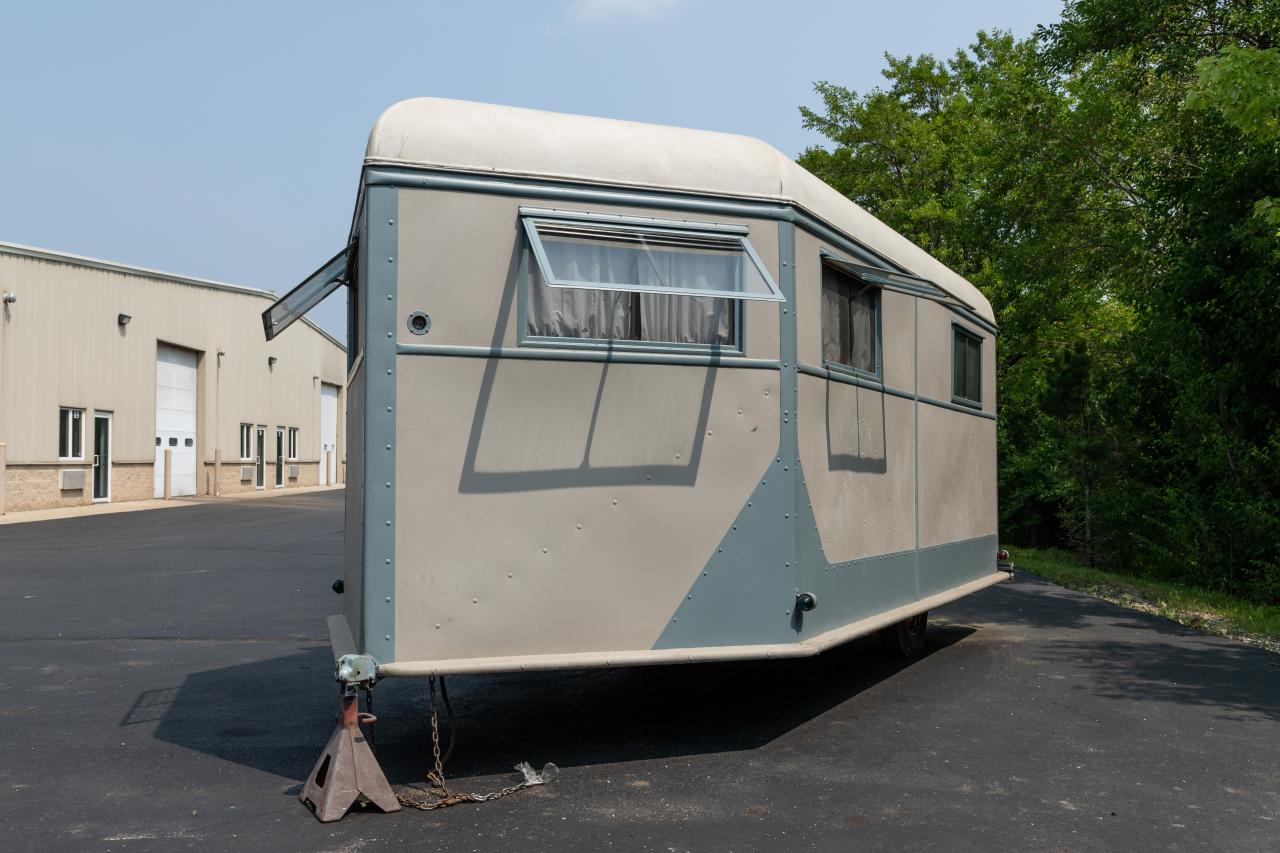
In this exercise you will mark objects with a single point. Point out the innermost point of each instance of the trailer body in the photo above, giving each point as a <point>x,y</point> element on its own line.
<point>625,394</point>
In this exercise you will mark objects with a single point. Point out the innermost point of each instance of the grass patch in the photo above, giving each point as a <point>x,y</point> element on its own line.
<point>1213,612</point>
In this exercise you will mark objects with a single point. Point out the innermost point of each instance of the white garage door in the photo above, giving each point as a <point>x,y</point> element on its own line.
<point>328,433</point>
<point>176,417</point>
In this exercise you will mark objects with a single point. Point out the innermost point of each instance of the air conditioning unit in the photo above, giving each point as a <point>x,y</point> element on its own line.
<point>246,473</point>
<point>293,472</point>
<point>71,478</point>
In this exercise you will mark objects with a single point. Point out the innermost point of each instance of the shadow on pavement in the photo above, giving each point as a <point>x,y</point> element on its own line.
<point>1237,680</point>
<point>275,715</point>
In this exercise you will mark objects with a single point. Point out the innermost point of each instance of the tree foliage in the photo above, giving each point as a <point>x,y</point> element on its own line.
<point>1111,185</point>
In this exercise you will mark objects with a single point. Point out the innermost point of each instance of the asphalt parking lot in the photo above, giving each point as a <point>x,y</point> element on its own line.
<point>169,686</point>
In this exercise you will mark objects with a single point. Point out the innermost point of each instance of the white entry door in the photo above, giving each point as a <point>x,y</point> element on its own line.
<point>176,417</point>
<point>328,434</point>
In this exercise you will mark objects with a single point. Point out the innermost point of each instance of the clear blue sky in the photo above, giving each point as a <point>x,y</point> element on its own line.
<point>223,140</point>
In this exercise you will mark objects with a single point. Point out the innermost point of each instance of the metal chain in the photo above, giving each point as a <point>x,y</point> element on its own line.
<point>436,776</point>
<point>439,796</point>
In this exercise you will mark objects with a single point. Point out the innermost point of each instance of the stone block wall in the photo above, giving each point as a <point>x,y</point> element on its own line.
<point>36,487</point>
<point>308,475</point>
<point>134,481</point>
<point>32,487</point>
<point>29,487</point>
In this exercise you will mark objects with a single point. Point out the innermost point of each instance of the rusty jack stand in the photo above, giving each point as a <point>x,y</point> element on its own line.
<point>347,770</point>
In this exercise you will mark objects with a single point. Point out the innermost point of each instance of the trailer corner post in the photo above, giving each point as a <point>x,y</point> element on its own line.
<point>380,263</point>
<point>789,402</point>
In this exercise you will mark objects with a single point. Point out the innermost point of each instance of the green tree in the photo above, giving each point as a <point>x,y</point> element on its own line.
<point>991,163</point>
<point>1110,185</point>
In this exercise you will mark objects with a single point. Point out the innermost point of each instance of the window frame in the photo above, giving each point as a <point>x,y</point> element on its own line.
<point>291,440</point>
<point>309,293</point>
<point>969,334</point>
<point>524,281</point>
<point>887,279</point>
<point>65,415</point>
<point>246,442</point>
<point>532,217</point>
<point>877,349</point>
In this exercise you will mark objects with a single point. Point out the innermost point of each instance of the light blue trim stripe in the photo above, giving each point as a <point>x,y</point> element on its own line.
<point>380,259</point>
<point>613,356</point>
<point>615,345</point>
<point>838,376</point>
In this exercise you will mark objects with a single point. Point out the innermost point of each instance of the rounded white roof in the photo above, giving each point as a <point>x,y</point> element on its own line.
<point>439,133</point>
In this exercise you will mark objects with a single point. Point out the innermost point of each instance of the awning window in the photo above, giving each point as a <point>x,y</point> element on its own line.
<point>314,288</point>
<point>631,254</point>
<point>893,280</point>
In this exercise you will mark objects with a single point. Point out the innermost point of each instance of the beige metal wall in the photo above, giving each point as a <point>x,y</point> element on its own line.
<point>61,345</point>
<point>532,497</point>
<point>957,450</point>
<point>857,445</point>
<point>458,276</point>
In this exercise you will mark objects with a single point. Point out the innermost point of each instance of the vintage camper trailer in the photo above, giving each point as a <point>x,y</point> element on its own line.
<point>627,394</point>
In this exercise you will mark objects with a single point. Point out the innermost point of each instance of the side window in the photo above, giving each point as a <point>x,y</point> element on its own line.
<point>613,278</point>
<point>246,441</point>
<point>966,366</point>
<point>70,433</point>
<point>293,442</point>
<point>850,320</point>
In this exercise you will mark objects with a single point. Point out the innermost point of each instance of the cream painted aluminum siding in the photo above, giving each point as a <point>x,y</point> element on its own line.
<point>442,225</point>
<point>60,345</point>
<point>527,546</point>
<point>553,455</point>
<point>463,136</point>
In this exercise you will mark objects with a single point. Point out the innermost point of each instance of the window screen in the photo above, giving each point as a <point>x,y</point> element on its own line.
<point>849,309</point>
<point>966,366</point>
<point>620,278</point>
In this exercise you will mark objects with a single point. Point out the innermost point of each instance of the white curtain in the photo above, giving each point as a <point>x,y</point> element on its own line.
<point>619,315</point>
<point>575,312</point>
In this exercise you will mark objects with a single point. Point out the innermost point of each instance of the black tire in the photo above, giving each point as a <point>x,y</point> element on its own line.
<point>906,638</point>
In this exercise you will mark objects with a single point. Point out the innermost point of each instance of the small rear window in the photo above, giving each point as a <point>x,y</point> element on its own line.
<point>966,366</point>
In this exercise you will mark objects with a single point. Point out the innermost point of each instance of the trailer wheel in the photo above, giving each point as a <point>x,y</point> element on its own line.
<point>906,638</point>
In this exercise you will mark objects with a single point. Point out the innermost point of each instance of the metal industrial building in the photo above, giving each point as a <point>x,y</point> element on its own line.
<point>119,383</point>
